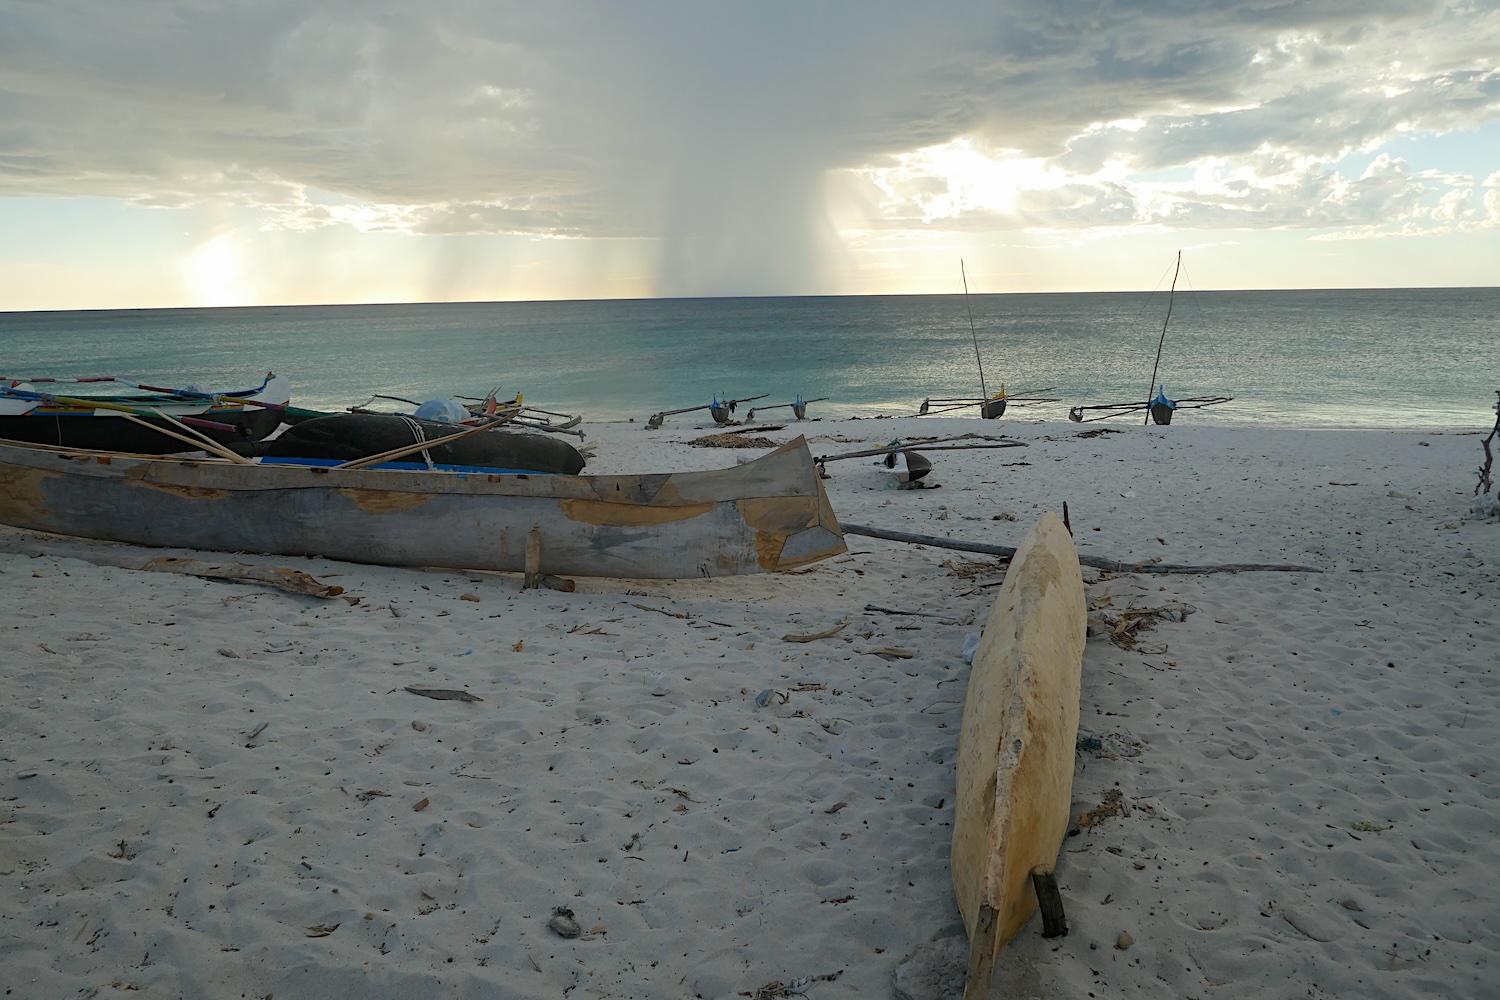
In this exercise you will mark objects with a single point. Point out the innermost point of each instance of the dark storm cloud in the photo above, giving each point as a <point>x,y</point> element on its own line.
<point>712,127</point>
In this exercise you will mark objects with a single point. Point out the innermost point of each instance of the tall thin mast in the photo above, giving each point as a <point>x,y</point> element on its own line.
<point>1159,344</point>
<point>984,392</point>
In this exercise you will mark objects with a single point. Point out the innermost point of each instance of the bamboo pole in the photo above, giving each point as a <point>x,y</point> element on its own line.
<point>198,439</point>
<point>936,444</point>
<point>134,416</point>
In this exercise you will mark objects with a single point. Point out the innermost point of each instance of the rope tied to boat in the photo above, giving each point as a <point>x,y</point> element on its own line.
<point>418,434</point>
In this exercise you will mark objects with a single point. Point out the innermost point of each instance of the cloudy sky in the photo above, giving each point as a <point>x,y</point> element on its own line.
<point>196,152</point>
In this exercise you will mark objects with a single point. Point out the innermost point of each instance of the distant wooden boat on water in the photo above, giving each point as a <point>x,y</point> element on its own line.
<point>142,421</point>
<point>720,410</point>
<point>1158,409</point>
<point>764,516</point>
<point>991,407</point>
<point>798,407</point>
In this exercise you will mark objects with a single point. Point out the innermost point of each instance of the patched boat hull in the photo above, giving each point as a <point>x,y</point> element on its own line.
<point>768,515</point>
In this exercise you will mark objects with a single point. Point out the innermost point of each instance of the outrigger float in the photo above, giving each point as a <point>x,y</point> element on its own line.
<point>798,405</point>
<point>720,410</point>
<point>903,461</point>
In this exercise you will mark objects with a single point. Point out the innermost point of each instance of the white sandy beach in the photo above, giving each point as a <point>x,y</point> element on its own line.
<point>214,789</point>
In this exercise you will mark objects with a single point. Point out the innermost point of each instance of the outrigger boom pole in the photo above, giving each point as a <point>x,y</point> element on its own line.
<point>799,407</point>
<point>726,407</point>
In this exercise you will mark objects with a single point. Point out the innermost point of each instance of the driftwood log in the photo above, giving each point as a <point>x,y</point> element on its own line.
<point>1484,484</point>
<point>1112,565</point>
<point>280,577</point>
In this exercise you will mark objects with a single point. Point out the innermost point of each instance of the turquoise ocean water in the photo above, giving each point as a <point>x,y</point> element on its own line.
<point>1391,358</point>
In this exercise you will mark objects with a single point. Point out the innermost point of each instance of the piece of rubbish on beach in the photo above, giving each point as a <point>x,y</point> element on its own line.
<point>444,694</point>
<point>1125,627</point>
<point>794,988</point>
<point>971,646</point>
<point>563,924</point>
<point>1112,805</point>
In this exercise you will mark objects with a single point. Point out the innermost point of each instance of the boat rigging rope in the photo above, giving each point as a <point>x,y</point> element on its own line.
<point>418,435</point>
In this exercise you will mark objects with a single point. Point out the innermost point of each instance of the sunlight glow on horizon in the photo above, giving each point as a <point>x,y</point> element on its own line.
<point>214,273</point>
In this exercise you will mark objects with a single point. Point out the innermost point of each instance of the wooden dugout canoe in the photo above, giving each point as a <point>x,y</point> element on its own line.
<point>1016,746</point>
<point>766,515</point>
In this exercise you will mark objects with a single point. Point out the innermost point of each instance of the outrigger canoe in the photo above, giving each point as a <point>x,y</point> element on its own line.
<point>1016,746</point>
<point>1159,408</point>
<point>764,516</point>
<point>117,422</point>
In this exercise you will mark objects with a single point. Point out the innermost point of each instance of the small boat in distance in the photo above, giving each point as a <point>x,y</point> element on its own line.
<point>798,407</point>
<point>990,407</point>
<point>1159,409</point>
<point>767,515</point>
<point>720,410</point>
<point>142,421</point>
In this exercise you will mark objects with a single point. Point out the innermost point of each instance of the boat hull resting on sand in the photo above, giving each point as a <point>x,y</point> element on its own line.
<point>767,515</point>
<point>1017,743</point>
